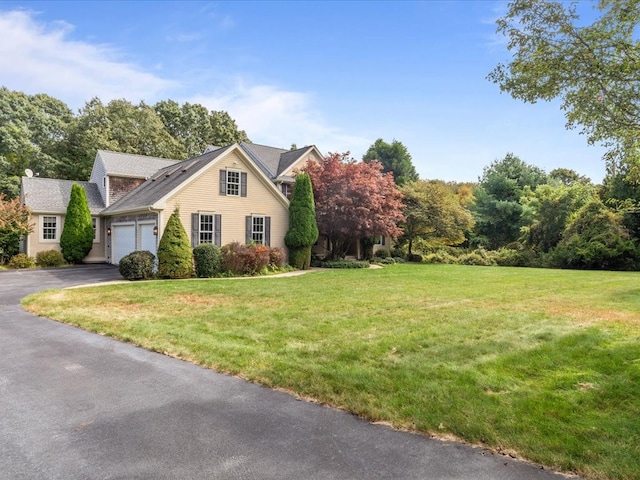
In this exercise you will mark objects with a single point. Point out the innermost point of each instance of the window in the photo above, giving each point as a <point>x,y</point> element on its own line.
<point>96,232</point>
<point>206,228</point>
<point>49,228</point>
<point>258,229</point>
<point>233,183</point>
<point>286,189</point>
<point>379,240</point>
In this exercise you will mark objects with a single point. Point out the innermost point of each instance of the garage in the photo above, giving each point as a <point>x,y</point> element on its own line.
<point>147,240</point>
<point>123,241</point>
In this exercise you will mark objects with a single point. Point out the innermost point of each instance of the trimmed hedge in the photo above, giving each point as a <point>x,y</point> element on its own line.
<point>207,259</point>
<point>137,265</point>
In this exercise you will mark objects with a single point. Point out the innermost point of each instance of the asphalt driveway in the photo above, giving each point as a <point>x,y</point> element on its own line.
<point>75,405</point>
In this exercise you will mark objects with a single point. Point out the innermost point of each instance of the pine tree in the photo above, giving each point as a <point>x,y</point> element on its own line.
<point>303,229</point>
<point>175,257</point>
<point>76,240</point>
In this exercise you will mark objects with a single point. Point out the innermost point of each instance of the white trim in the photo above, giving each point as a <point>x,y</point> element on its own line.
<point>227,183</point>
<point>96,234</point>
<point>58,231</point>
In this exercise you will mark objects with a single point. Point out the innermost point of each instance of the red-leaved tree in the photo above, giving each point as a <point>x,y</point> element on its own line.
<point>354,201</point>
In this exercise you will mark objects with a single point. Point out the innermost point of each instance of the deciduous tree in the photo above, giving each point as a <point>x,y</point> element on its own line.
<point>433,214</point>
<point>594,69</point>
<point>14,224</point>
<point>353,201</point>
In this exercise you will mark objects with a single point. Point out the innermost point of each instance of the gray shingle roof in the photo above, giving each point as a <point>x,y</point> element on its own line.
<point>272,161</point>
<point>162,182</point>
<point>52,196</point>
<point>130,165</point>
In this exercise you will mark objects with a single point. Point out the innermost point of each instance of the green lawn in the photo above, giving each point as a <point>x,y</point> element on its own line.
<point>541,363</point>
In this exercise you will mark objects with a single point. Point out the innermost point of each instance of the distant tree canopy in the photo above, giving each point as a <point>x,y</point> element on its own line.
<point>41,133</point>
<point>395,158</point>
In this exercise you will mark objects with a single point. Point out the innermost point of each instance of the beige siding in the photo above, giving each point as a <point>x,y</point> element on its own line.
<point>36,244</point>
<point>203,195</point>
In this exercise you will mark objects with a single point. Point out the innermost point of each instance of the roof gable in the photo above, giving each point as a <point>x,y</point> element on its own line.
<point>169,180</point>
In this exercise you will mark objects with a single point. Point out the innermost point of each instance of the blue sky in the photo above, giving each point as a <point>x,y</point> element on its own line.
<point>335,74</point>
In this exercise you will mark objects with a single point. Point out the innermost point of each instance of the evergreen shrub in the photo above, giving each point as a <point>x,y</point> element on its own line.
<point>175,256</point>
<point>76,240</point>
<point>22,260</point>
<point>207,259</point>
<point>137,265</point>
<point>303,228</point>
<point>49,258</point>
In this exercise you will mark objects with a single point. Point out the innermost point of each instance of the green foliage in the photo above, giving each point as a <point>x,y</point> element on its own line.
<point>207,260</point>
<point>175,257</point>
<point>383,253</point>
<point>592,68</point>
<point>433,214</point>
<point>394,158</point>
<point>22,260</point>
<point>76,240</point>
<point>303,229</point>
<point>596,239</point>
<point>497,208</point>
<point>49,258</point>
<point>137,265</point>
<point>240,259</point>
<point>547,210</point>
<point>522,257</point>
<point>300,257</point>
<point>343,264</point>
<point>440,256</point>
<point>14,224</point>
<point>478,257</point>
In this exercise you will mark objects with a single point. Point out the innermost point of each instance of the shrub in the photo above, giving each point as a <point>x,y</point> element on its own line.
<point>22,260</point>
<point>507,257</point>
<point>240,259</point>
<point>207,260</point>
<point>415,257</point>
<point>14,224</point>
<point>303,229</point>
<point>137,265</point>
<point>277,257</point>
<point>477,257</point>
<point>76,240</point>
<point>175,257</point>
<point>440,256</point>
<point>345,264</point>
<point>383,253</point>
<point>49,258</point>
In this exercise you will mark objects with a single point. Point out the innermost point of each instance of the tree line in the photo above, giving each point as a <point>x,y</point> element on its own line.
<point>41,133</point>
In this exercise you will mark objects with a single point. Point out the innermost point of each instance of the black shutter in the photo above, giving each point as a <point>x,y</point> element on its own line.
<point>217,230</point>
<point>243,184</point>
<point>267,231</point>
<point>195,228</point>
<point>248,229</point>
<point>223,182</point>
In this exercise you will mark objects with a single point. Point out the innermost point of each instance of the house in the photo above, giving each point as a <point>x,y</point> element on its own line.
<point>234,193</point>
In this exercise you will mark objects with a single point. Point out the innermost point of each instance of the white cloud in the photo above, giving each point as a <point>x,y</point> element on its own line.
<point>38,58</point>
<point>278,117</point>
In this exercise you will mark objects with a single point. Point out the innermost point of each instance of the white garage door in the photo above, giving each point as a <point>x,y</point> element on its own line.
<point>123,241</point>
<point>147,238</point>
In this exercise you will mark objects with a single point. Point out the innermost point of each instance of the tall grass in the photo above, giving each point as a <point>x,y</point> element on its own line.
<point>544,364</point>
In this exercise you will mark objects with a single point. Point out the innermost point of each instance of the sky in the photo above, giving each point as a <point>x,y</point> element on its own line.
<point>338,75</point>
